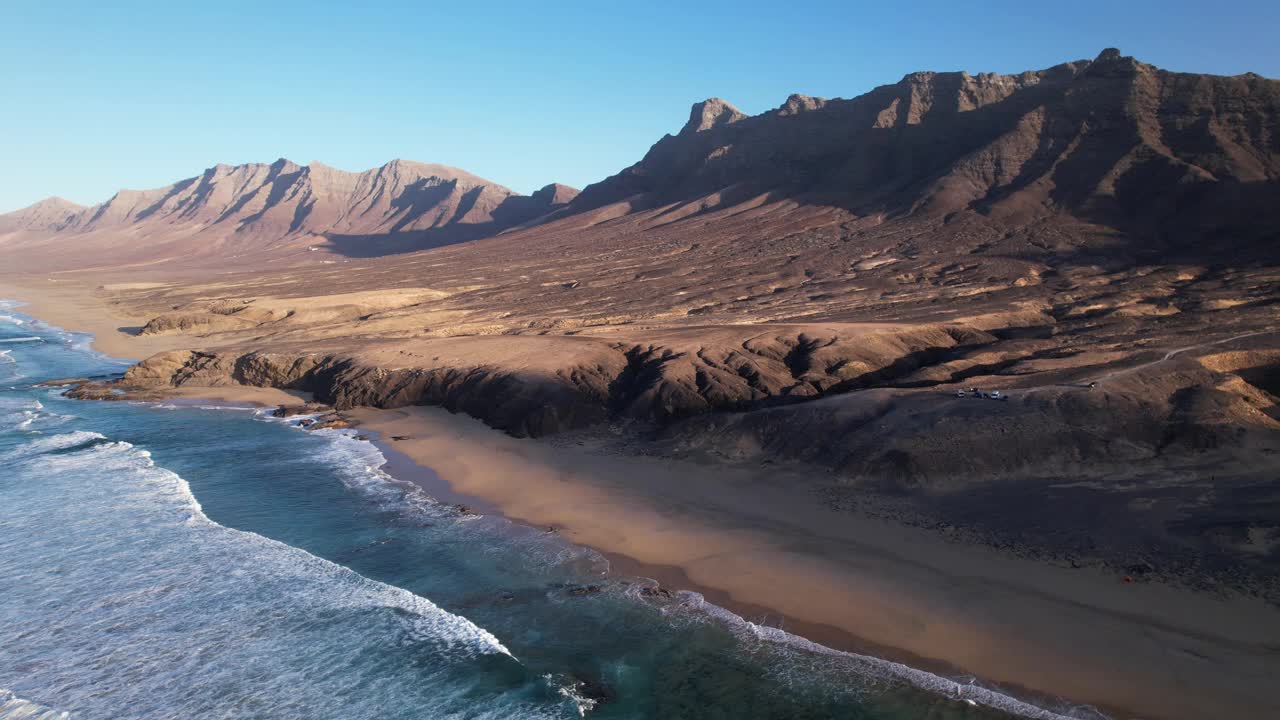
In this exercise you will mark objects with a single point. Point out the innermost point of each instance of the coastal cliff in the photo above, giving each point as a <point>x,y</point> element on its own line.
<point>875,405</point>
<point>540,385</point>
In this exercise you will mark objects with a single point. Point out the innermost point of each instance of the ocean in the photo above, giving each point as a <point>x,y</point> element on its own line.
<point>177,561</point>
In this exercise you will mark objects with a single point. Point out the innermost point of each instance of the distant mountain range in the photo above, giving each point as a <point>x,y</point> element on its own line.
<point>1171,158</point>
<point>266,204</point>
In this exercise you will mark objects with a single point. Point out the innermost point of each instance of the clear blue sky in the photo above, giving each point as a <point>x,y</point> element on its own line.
<point>98,96</point>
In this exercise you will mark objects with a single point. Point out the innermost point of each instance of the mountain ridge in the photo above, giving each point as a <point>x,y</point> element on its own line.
<point>1112,141</point>
<point>274,201</point>
<point>1084,151</point>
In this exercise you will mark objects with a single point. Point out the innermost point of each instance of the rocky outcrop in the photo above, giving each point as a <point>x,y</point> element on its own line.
<point>711,113</point>
<point>195,323</point>
<point>658,382</point>
<point>763,396</point>
<point>1173,416</point>
<point>554,196</point>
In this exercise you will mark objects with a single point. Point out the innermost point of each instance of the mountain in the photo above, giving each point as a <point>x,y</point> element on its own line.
<point>1112,141</point>
<point>1112,157</point>
<point>256,208</point>
<point>51,214</point>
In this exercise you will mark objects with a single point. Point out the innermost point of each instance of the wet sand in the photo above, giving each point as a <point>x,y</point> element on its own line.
<point>759,542</point>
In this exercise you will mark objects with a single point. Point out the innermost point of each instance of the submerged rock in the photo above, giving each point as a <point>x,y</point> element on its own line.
<point>90,390</point>
<point>593,690</point>
<point>285,411</point>
<point>63,382</point>
<point>582,590</point>
<point>333,421</point>
<point>656,592</point>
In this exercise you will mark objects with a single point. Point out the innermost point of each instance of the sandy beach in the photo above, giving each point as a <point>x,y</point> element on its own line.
<point>759,541</point>
<point>72,304</point>
<point>1145,650</point>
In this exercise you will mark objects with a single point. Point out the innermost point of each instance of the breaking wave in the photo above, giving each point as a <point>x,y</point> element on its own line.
<point>455,632</point>
<point>50,443</point>
<point>879,669</point>
<point>165,579</point>
<point>13,707</point>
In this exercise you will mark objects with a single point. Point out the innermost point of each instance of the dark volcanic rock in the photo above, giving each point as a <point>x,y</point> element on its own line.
<point>287,411</point>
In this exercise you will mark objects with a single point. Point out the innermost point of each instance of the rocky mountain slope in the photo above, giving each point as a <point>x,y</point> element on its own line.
<point>1110,154</point>
<point>49,215</point>
<point>255,209</point>
<point>1169,159</point>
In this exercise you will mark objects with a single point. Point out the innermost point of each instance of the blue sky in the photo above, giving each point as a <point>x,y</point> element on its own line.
<point>99,96</point>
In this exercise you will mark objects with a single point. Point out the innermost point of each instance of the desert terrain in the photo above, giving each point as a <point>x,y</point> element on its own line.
<point>1034,317</point>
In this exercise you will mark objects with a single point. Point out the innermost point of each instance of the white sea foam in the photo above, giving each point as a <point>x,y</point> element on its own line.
<point>49,443</point>
<point>17,403</point>
<point>174,406</point>
<point>10,363</point>
<point>873,668</point>
<point>359,467</point>
<point>571,692</point>
<point>28,415</point>
<point>77,341</point>
<point>177,581</point>
<point>13,707</point>
<point>458,635</point>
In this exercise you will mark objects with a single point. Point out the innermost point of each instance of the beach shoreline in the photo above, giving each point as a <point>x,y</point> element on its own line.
<point>73,305</point>
<point>874,588</point>
<point>758,543</point>
<point>669,578</point>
